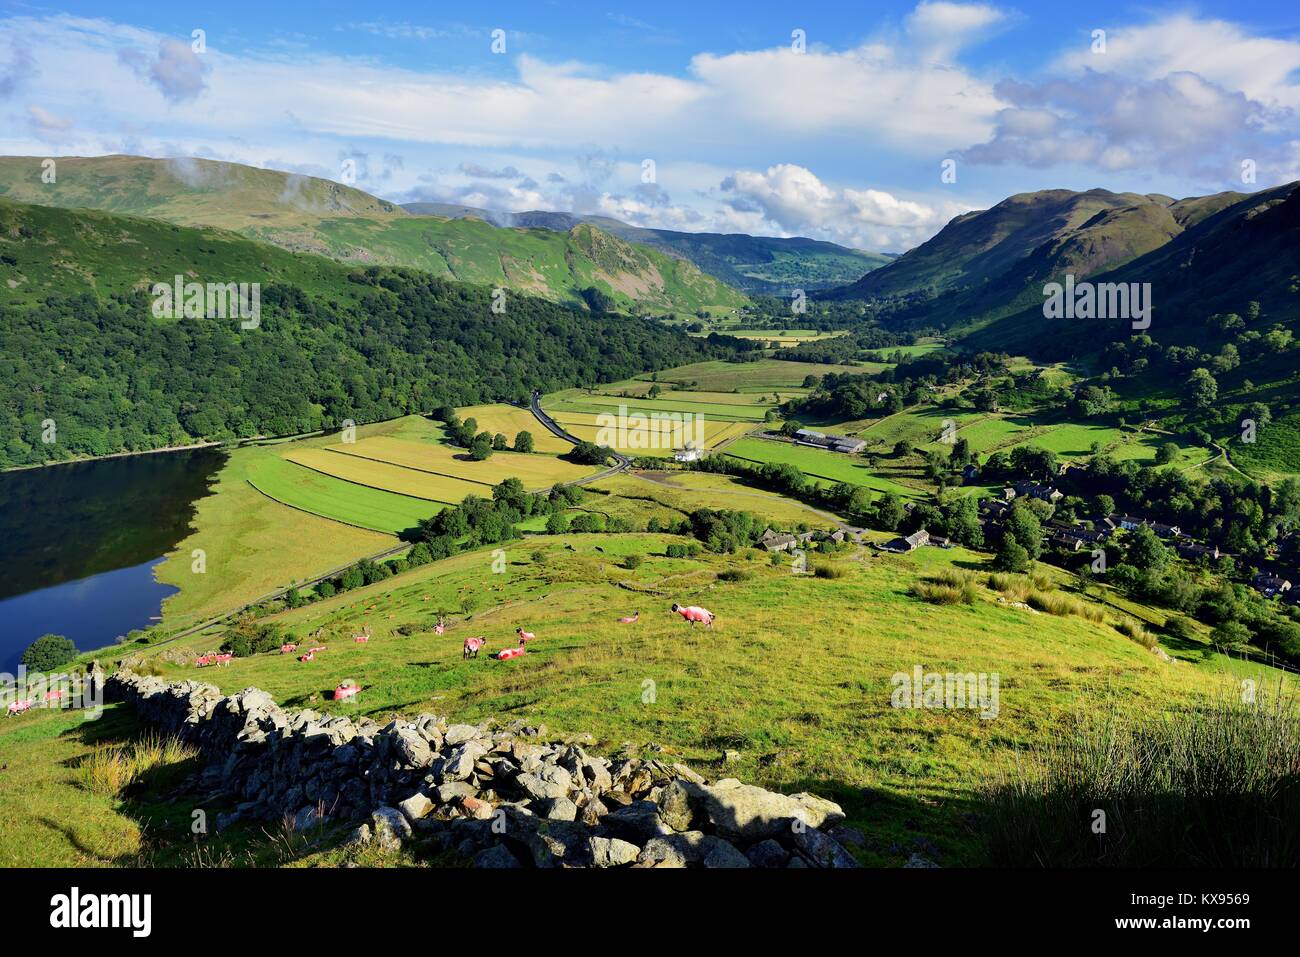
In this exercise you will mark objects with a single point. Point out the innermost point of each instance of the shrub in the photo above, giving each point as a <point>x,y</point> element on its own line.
<point>49,652</point>
<point>632,562</point>
<point>111,769</point>
<point>937,593</point>
<point>830,571</point>
<point>1132,629</point>
<point>325,589</point>
<point>735,575</point>
<point>246,638</point>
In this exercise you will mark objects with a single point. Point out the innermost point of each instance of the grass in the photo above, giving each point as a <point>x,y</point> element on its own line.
<point>761,376</point>
<point>301,488</point>
<point>111,769</point>
<point>1211,785</point>
<point>586,426</point>
<point>805,699</point>
<point>510,420</point>
<point>817,464</point>
<point>337,462</point>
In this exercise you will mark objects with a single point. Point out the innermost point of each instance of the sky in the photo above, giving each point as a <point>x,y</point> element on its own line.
<point>869,124</point>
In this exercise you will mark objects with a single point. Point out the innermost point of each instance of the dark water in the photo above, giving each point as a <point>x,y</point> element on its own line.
<point>78,544</point>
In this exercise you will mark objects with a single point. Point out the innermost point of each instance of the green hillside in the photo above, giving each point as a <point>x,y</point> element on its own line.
<point>311,215</point>
<point>758,265</point>
<point>80,342</point>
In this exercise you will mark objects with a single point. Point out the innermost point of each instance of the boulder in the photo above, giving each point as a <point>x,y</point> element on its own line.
<point>416,806</point>
<point>767,853</point>
<point>639,821</point>
<point>822,849</point>
<point>496,856</point>
<point>412,749</point>
<point>452,791</point>
<point>557,809</point>
<point>752,813</point>
<point>723,855</point>
<point>611,851</point>
<point>390,827</point>
<point>675,807</point>
<point>459,734</point>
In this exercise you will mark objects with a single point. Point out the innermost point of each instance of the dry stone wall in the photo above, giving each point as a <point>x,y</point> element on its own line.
<point>498,797</point>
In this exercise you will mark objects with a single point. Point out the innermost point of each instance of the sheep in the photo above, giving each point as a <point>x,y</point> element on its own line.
<point>472,646</point>
<point>630,619</point>
<point>524,636</point>
<point>694,613</point>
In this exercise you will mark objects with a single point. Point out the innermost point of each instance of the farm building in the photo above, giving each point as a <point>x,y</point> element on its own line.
<point>688,455</point>
<point>1270,585</point>
<point>833,443</point>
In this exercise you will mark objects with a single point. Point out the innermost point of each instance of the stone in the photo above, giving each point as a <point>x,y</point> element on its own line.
<point>724,855</point>
<point>459,734</point>
<point>452,791</point>
<point>730,757</point>
<point>539,786</point>
<point>390,827</point>
<point>412,749</point>
<point>675,808</point>
<point>459,763</point>
<point>822,849</point>
<point>476,809</point>
<point>611,851</point>
<point>416,806</point>
<point>557,809</point>
<point>746,811</point>
<point>638,821</point>
<point>496,856</point>
<point>688,847</point>
<point>307,818</point>
<point>919,860</point>
<point>360,835</point>
<point>767,853</point>
<point>848,836</point>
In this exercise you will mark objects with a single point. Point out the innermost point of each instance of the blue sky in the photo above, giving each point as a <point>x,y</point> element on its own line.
<point>681,115</point>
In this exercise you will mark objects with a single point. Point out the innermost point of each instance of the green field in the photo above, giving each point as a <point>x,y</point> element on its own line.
<point>343,501</point>
<point>763,375</point>
<point>817,464</point>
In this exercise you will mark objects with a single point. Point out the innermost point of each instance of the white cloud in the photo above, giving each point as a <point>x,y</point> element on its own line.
<point>941,28</point>
<point>791,200</point>
<point>176,71</point>
<point>1262,68</point>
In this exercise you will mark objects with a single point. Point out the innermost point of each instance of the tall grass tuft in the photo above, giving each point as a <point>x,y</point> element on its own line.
<point>1014,587</point>
<point>111,769</point>
<point>1132,629</point>
<point>937,593</point>
<point>1216,786</point>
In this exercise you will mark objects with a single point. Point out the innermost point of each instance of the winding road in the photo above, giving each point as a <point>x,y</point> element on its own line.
<point>623,462</point>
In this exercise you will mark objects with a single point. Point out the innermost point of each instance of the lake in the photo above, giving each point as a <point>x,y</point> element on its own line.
<point>78,544</point>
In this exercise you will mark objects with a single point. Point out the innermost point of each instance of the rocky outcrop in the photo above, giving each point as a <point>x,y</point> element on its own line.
<point>495,796</point>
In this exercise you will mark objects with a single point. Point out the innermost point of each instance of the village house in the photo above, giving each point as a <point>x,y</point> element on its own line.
<point>1270,585</point>
<point>1047,493</point>
<point>688,455</point>
<point>1130,523</point>
<point>909,543</point>
<point>1166,531</point>
<point>1194,550</point>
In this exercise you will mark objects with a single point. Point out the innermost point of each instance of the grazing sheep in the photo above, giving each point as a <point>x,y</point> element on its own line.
<point>694,613</point>
<point>472,646</point>
<point>524,636</point>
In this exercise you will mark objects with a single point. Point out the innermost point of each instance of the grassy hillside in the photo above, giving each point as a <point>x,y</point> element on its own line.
<point>793,677</point>
<point>759,265</point>
<point>312,215</point>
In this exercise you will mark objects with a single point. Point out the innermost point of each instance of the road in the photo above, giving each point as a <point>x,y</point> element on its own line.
<point>623,462</point>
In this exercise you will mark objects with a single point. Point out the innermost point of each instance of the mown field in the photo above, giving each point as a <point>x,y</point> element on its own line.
<point>796,677</point>
<point>286,512</point>
<point>763,375</point>
<point>828,467</point>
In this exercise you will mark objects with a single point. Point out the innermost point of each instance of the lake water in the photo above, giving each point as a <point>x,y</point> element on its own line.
<point>78,544</point>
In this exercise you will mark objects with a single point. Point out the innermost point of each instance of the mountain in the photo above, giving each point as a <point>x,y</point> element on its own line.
<point>1229,251</point>
<point>991,263</point>
<point>312,215</point>
<point>759,265</point>
<point>82,344</point>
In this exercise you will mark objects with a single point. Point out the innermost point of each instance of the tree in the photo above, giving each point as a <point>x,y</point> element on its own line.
<point>1202,387</point>
<point>524,442</point>
<point>654,391</point>
<point>481,448</point>
<point>1011,556</point>
<point>1024,526</point>
<point>499,443</point>
<point>49,652</point>
<point>889,511</point>
<point>1146,552</point>
<point>557,524</point>
<point>1167,452</point>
